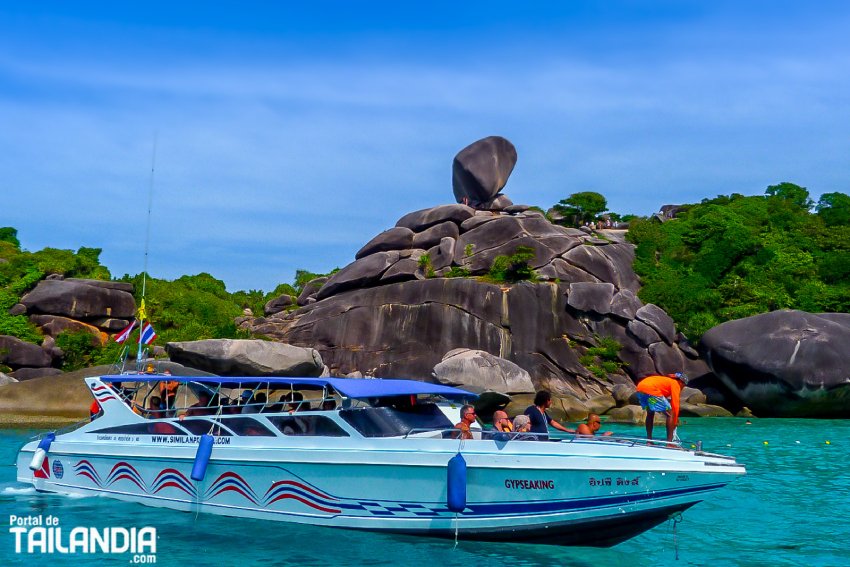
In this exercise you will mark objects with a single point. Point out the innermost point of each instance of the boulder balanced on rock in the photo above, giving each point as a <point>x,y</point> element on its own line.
<point>480,171</point>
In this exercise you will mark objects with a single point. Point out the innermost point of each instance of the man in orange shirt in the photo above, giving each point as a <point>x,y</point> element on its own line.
<point>659,393</point>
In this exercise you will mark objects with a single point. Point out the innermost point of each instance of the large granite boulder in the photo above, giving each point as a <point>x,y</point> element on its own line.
<point>81,299</point>
<point>22,374</point>
<point>361,273</point>
<point>591,297</point>
<point>54,325</point>
<point>419,221</point>
<point>278,304</point>
<point>631,414</point>
<point>396,238</point>
<point>624,394</point>
<point>785,363</point>
<point>480,171</point>
<point>310,290</point>
<point>703,410</point>
<point>479,371</point>
<point>16,353</point>
<point>601,404</point>
<point>231,357</point>
<point>432,236</point>
<point>657,319</point>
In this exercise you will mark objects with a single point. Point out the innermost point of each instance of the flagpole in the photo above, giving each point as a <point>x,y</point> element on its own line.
<point>142,312</point>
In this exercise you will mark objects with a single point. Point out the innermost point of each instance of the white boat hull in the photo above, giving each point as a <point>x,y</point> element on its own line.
<point>582,492</point>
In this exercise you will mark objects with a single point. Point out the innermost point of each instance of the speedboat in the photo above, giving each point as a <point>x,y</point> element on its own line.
<point>368,454</point>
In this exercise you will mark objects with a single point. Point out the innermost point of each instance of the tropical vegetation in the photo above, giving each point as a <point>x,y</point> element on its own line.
<point>188,308</point>
<point>735,256</point>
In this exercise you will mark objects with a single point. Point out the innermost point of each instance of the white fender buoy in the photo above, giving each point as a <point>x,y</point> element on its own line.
<point>41,452</point>
<point>38,459</point>
<point>202,457</point>
<point>456,484</point>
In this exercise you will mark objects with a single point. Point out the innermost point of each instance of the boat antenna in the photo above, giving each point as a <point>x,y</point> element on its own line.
<point>142,312</point>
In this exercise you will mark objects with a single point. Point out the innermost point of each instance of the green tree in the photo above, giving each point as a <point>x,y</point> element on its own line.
<point>794,194</point>
<point>10,235</point>
<point>582,207</point>
<point>834,209</point>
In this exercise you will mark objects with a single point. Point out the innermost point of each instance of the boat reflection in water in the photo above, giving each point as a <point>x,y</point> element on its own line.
<point>385,458</point>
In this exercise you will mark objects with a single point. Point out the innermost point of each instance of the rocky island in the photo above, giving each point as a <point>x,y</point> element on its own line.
<point>481,293</point>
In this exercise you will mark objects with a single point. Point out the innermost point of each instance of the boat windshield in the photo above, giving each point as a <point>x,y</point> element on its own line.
<point>395,421</point>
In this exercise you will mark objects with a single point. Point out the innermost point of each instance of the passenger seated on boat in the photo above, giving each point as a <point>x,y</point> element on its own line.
<point>203,405</point>
<point>293,426</point>
<point>168,391</point>
<point>467,418</point>
<point>590,428</point>
<point>522,427</point>
<point>291,402</point>
<point>155,410</point>
<point>231,407</point>
<point>501,422</point>
<point>328,405</point>
<point>255,404</point>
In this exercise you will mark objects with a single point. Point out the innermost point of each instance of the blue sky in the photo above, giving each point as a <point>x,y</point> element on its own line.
<point>288,135</point>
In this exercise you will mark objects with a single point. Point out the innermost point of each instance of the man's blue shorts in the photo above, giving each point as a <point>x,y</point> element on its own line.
<point>653,403</point>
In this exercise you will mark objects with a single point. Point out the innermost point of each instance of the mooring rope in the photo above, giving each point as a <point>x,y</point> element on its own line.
<point>676,519</point>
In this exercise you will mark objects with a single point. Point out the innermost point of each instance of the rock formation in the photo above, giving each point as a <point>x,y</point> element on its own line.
<point>387,314</point>
<point>56,305</point>
<point>785,363</point>
<point>419,291</point>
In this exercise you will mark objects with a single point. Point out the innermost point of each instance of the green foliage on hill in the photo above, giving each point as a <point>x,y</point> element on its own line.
<point>735,256</point>
<point>21,270</point>
<point>188,308</point>
<point>200,307</point>
<point>191,307</point>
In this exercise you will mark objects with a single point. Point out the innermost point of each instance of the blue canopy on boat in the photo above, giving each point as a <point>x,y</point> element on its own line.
<point>357,388</point>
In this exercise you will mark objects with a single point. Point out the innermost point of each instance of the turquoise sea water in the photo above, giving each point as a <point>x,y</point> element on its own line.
<point>791,509</point>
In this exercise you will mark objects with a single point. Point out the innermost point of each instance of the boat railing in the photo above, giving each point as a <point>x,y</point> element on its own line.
<point>629,440</point>
<point>499,436</point>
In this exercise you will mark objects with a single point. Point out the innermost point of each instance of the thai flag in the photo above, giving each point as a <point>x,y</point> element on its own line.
<point>122,336</point>
<point>148,334</point>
